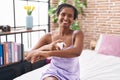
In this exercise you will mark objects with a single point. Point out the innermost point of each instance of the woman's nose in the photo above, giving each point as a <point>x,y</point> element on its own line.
<point>66,18</point>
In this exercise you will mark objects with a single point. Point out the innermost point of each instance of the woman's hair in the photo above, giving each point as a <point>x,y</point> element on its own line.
<point>60,7</point>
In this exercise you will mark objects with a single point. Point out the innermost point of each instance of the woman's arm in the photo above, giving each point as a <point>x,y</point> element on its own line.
<point>46,39</point>
<point>45,44</point>
<point>42,45</point>
<point>67,53</point>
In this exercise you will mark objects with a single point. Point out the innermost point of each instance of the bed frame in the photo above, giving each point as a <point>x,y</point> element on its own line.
<point>9,72</point>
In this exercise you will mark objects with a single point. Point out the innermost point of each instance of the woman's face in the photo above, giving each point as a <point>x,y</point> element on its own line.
<point>66,17</point>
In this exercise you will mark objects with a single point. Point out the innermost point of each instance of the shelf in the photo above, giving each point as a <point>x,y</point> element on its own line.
<point>10,64</point>
<point>12,70</point>
<point>21,30</point>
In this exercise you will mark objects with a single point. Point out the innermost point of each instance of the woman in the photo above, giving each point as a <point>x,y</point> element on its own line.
<point>64,63</point>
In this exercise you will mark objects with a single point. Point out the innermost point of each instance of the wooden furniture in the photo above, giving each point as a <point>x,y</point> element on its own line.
<point>10,71</point>
<point>92,44</point>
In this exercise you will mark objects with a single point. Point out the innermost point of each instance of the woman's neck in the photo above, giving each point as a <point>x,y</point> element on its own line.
<point>63,31</point>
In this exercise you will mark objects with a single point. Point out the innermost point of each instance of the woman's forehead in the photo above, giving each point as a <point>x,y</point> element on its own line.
<point>67,9</point>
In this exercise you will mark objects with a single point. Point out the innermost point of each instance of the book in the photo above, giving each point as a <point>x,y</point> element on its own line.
<point>9,52</point>
<point>5,50</point>
<point>20,49</point>
<point>1,55</point>
<point>15,52</point>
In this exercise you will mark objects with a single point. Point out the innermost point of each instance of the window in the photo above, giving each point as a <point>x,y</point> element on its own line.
<point>14,14</point>
<point>6,13</point>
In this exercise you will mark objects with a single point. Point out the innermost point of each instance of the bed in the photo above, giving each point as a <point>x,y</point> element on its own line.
<point>95,64</point>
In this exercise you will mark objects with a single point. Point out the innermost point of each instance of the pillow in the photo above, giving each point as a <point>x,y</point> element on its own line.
<point>98,43</point>
<point>110,45</point>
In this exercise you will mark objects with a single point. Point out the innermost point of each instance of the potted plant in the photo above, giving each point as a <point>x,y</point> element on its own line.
<point>79,4</point>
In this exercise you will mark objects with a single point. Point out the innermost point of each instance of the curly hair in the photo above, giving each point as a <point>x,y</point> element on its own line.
<point>60,7</point>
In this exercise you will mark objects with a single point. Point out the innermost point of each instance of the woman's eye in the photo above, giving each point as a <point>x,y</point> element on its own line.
<point>62,14</point>
<point>70,16</point>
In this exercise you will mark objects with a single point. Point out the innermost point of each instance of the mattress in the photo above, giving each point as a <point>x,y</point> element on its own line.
<point>93,66</point>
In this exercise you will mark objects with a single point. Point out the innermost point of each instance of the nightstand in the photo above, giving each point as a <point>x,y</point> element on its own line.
<point>92,44</point>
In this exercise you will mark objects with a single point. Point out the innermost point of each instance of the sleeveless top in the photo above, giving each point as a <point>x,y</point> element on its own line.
<point>63,68</point>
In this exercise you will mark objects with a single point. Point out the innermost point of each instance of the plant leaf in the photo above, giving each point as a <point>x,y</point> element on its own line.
<point>75,26</point>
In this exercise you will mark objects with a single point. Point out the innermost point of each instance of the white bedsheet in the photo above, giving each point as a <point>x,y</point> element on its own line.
<point>93,66</point>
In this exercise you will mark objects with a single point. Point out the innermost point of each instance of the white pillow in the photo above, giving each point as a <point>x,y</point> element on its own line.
<point>98,42</point>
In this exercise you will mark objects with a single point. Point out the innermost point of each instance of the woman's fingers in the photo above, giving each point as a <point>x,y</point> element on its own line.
<point>34,56</point>
<point>58,41</point>
<point>26,53</point>
<point>35,59</point>
<point>28,57</point>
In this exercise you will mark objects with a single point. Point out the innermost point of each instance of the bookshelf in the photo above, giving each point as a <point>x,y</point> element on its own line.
<point>14,69</point>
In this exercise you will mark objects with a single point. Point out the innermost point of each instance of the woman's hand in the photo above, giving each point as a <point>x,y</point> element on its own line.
<point>35,55</point>
<point>29,55</point>
<point>56,46</point>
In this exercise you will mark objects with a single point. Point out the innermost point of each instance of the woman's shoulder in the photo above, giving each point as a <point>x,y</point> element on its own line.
<point>54,32</point>
<point>78,32</point>
<point>47,34</point>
